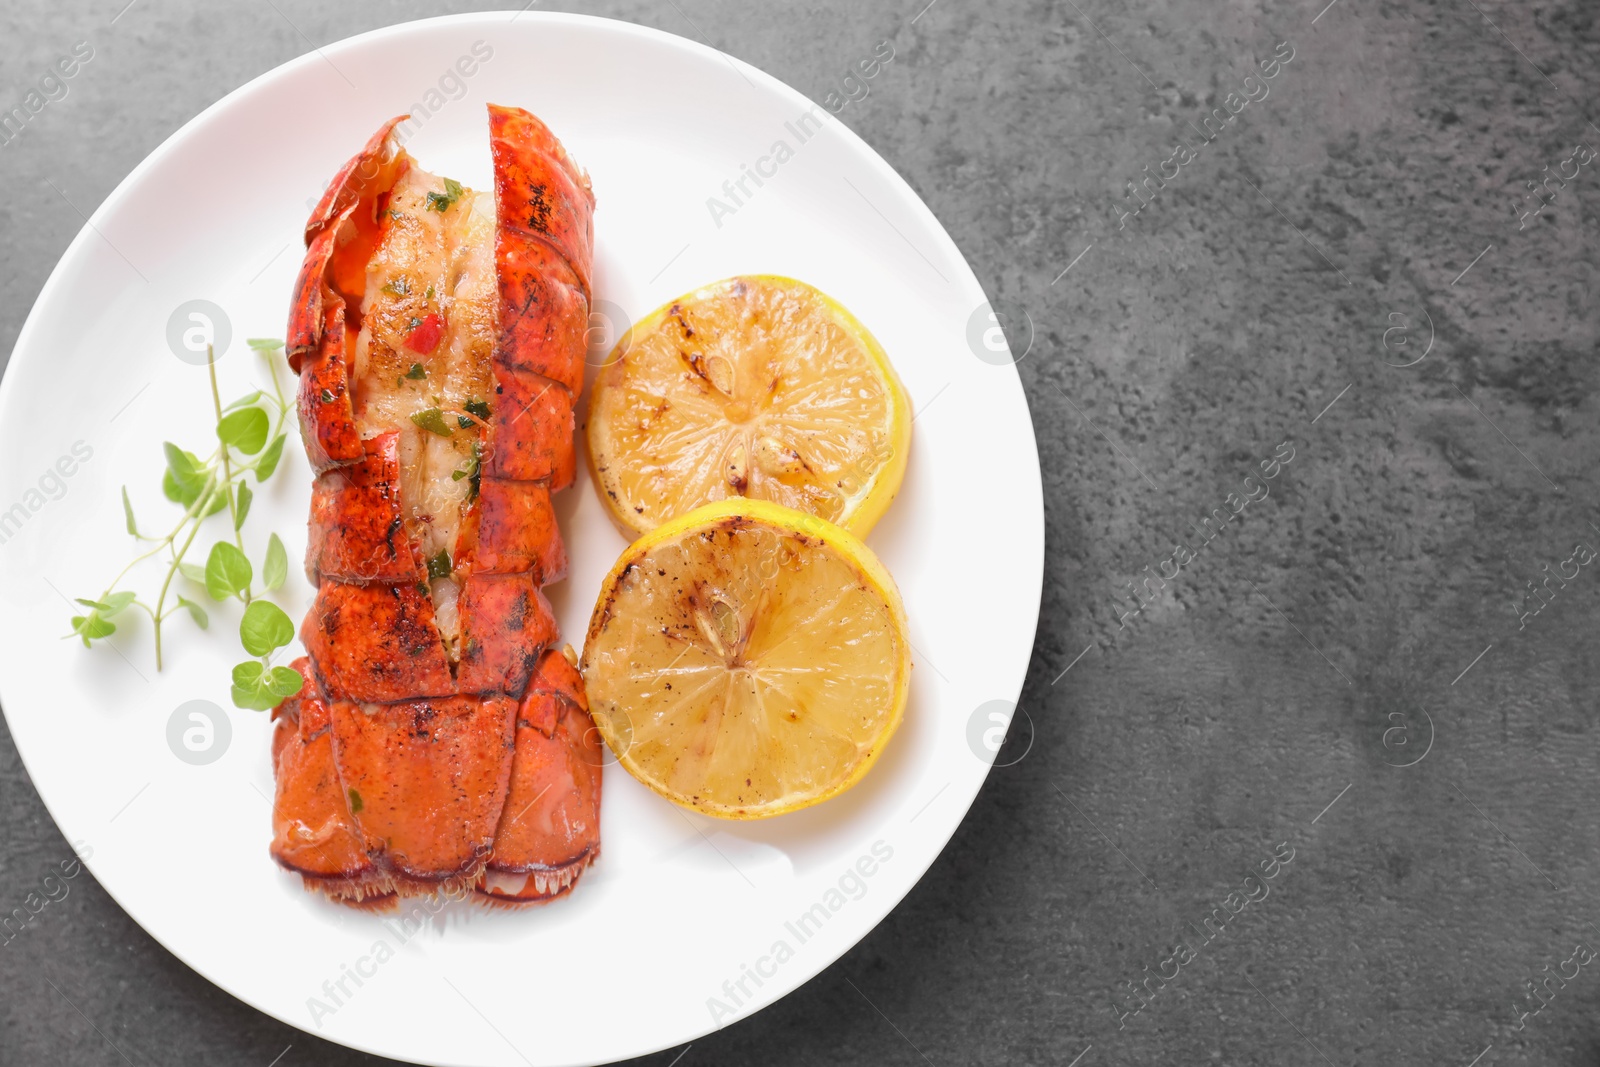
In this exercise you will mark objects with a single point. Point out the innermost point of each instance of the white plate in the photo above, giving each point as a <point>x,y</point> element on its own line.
<point>678,905</point>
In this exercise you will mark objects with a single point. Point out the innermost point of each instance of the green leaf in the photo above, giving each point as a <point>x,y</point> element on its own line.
<point>110,606</point>
<point>269,459</point>
<point>245,429</point>
<point>115,603</point>
<point>184,477</point>
<point>398,286</point>
<point>442,201</point>
<point>284,682</point>
<point>245,400</point>
<point>355,798</point>
<point>477,407</point>
<point>470,470</point>
<point>473,470</point>
<point>465,421</point>
<point>193,571</point>
<point>265,628</point>
<point>254,699</point>
<point>433,421</point>
<point>259,689</point>
<point>417,372</point>
<point>264,344</point>
<point>228,572</point>
<point>196,612</point>
<point>244,505</point>
<point>92,626</point>
<point>127,511</point>
<point>440,566</point>
<point>172,490</point>
<point>275,568</point>
<point>182,464</point>
<point>250,687</point>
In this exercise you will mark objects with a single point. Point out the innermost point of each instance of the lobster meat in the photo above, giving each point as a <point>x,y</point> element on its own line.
<point>441,743</point>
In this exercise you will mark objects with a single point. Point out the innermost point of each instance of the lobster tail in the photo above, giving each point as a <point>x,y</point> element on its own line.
<point>441,744</point>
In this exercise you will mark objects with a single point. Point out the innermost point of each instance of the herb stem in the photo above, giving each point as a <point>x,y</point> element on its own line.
<point>199,502</point>
<point>173,569</point>
<point>227,471</point>
<point>283,405</point>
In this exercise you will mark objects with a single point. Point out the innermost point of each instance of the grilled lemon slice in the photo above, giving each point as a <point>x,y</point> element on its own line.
<point>747,659</point>
<point>758,387</point>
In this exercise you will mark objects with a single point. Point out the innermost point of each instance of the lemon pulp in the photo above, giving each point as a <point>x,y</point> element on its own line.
<point>747,660</point>
<point>755,386</point>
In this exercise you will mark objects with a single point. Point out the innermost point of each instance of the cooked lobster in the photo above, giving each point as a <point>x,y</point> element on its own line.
<point>441,744</point>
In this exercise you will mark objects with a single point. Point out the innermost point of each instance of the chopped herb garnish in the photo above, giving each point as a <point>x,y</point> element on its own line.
<point>440,566</point>
<point>398,287</point>
<point>327,396</point>
<point>443,201</point>
<point>470,470</point>
<point>473,470</point>
<point>414,323</point>
<point>464,421</point>
<point>478,408</point>
<point>430,292</point>
<point>355,803</point>
<point>417,372</point>
<point>422,587</point>
<point>432,420</point>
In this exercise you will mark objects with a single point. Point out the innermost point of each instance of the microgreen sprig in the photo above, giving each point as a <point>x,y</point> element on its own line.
<point>251,433</point>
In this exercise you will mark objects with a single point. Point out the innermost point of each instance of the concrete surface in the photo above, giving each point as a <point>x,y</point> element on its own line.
<point>1261,701</point>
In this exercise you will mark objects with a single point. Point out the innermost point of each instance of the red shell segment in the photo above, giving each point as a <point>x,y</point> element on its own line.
<point>505,623</point>
<point>357,532</point>
<point>517,530</point>
<point>539,191</point>
<point>531,425</point>
<point>327,417</point>
<point>376,643</point>
<point>431,778</point>
<point>544,310</point>
<point>550,828</point>
<point>313,832</point>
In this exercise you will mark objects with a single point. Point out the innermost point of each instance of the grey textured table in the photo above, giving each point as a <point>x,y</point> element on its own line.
<point>1382,255</point>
